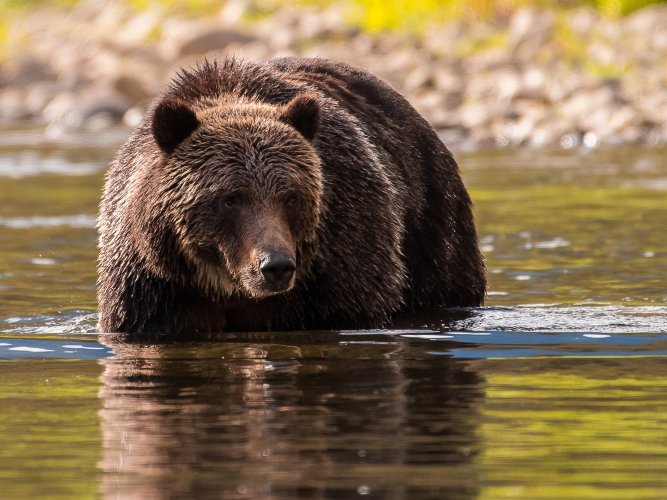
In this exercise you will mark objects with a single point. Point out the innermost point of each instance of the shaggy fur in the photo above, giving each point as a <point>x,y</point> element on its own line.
<point>317,162</point>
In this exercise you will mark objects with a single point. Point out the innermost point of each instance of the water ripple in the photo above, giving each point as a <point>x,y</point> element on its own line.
<point>13,348</point>
<point>581,318</point>
<point>76,221</point>
<point>67,322</point>
<point>29,164</point>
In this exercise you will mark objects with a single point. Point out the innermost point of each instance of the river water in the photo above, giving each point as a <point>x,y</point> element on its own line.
<point>556,389</point>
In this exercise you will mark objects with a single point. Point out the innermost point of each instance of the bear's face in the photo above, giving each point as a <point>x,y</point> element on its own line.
<point>243,190</point>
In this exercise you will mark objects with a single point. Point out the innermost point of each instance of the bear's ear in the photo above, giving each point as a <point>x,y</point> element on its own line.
<point>303,113</point>
<point>173,122</point>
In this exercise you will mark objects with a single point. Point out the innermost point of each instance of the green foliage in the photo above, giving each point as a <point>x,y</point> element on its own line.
<point>414,16</point>
<point>379,15</point>
<point>573,47</point>
<point>184,7</point>
<point>615,8</point>
<point>574,429</point>
<point>49,428</point>
<point>14,5</point>
<point>4,35</point>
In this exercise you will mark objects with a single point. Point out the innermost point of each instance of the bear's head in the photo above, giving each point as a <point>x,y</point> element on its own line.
<point>240,188</point>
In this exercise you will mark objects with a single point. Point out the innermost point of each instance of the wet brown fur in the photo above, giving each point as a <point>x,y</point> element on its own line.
<point>379,220</point>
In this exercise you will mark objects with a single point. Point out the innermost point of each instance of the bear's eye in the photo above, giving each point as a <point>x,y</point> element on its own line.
<point>232,201</point>
<point>292,201</point>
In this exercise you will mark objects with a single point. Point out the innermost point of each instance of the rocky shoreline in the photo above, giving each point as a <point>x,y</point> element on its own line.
<point>538,79</point>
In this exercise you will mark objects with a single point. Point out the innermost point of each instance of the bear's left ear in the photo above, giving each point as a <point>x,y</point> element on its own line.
<point>173,122</point>
<point>303,113</point>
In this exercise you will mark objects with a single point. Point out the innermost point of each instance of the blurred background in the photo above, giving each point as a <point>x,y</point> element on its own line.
<point>485,73</point>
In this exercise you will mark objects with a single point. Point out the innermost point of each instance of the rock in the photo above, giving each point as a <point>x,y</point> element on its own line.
<point>133,116</point>
<point>110,18</point>
<point>318,24</point>
<point>138,29</point>
<point>39,95</point>
<point>590,140</point>
<point>508,84</point>
<point>475,115</point>
<point>529,30</point>
<point>650,19</point>
<point>418,78</point>
<point>606,55</point>
<point>257,50</point>
<point>442,40</point>
<point>12,105</point>
<point>480,138</point>
<point>534,80</point>
<point>650,24</point>
<point>59,106</point>
<point>216,39</point>
<point>134,88</point>
<point>26,69</point>
<point>516,132</point>
<point>585,102</point>
<point>452,136</point>
<point>427,103</point>
<point>443,118</point>
<point>546,135</point>
<point>450,78</point>
<point>94,110</point>
<point>653,106</point>
<point>233,12</point>
<point>583,21</point>
<point>655,135</point>
<point>611,124</point>
<point>571,140</point>
<point>282,39</point>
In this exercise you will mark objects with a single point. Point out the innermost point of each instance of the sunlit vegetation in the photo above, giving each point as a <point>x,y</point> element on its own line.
<point>415,15</point>
<point>375,15</point>
<point>584,429</point>
<point>49,429</point>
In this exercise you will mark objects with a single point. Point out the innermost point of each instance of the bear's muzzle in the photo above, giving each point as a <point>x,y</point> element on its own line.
<point>278,270</point>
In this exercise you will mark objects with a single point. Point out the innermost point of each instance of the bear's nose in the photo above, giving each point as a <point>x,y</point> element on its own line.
<point>278,269</point>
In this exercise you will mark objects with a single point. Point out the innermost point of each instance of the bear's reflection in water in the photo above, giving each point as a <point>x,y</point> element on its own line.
<point>288,416</point>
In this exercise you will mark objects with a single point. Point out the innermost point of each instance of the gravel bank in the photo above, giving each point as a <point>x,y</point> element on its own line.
<point>537,79</point>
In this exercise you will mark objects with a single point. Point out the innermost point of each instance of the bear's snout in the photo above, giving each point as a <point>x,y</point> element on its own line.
<point>278,270</point>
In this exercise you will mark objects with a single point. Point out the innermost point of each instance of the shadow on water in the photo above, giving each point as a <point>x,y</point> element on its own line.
<point>314,418</point>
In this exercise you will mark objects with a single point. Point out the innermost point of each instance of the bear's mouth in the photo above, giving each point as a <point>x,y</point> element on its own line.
<point>269,290</point>
<point>261,289</point>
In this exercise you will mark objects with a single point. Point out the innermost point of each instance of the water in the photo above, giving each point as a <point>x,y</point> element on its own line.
<point>556,389</point>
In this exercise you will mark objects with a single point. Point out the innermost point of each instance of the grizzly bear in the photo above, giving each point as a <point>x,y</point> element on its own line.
<point>290,194</point>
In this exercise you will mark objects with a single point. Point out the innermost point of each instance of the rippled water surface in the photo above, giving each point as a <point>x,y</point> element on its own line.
<point>556,389</point>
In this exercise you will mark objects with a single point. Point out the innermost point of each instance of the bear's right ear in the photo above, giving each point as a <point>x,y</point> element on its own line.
<point>303,113</point>
<point>173,122</point>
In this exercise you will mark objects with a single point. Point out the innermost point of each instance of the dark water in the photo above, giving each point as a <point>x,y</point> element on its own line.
<point>557,389</point>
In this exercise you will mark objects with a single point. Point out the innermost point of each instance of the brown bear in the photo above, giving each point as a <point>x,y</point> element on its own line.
<point>290,194</point>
